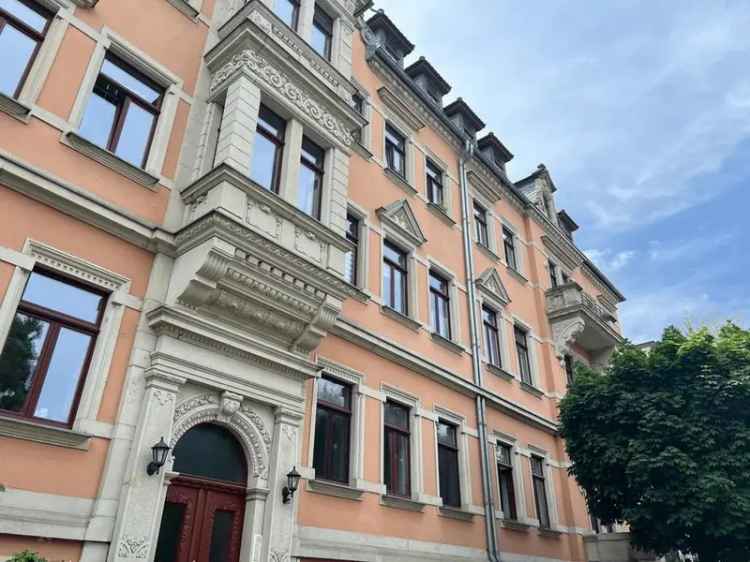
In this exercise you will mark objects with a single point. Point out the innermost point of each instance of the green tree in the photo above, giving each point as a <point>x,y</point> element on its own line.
<point>18,360</point>
<point>661,440</point>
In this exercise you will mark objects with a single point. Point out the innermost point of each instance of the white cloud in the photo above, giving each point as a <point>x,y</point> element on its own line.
<point>609,261</point>
<point>695,248</point>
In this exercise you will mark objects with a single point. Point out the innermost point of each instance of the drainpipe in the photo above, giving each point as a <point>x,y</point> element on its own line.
<point>493,551</point>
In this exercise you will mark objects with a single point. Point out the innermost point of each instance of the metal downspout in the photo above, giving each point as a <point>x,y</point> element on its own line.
<point>489,512</point>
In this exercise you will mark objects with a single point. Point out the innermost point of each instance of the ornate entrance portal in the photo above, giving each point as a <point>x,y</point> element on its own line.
<point>205,506</point>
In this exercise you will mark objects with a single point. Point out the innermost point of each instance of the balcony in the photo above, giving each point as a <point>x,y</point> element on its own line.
<point>575,317</point>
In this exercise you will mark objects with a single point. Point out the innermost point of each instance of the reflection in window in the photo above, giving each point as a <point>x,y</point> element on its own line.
<point>288,11</point>
<point>505,479</point>
<point>352,234</point>
<point>268,146</point>
<point>122,111</point>
<point>480,224</point>
<point>322,33</point>
<point>395,151</point>
<point>434,184</point>
<point>522,350</point>
<point>397,466</point>
<point>440,305</point>
<point>491,336</point>
<point>44,359</point>
<point>509,242</point>
<point>540,491</point>
<point>311,178</point>
<point>332,430</point>
<point>394,277</point>
<point>22,29</point>
<point>447,439</point>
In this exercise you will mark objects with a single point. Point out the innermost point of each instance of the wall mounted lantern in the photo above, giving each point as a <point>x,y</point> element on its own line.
<point>292,481</point>
<point>159,456</point>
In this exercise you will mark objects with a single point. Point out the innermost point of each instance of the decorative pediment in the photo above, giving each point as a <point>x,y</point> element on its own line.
<point>400,217</point>
<point>490,284</point>
<point>402,110</point>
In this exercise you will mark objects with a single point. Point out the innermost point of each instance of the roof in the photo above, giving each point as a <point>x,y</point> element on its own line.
<point>381,21</point>
<point>541,171</point>
<point>422,66</point>
<point>460,106</point>
<point>491,141</point>
<point>569,224</point>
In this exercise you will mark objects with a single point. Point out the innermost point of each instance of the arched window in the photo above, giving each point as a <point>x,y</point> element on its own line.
<point>210,451</point>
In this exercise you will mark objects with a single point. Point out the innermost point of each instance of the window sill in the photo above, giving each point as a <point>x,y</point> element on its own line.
<point>360,294</point>
<point>549,532</point>
<point>456,513</point>
<point>450,345</point>
<point>362,150</point>
<point>402,318</point>
<point>107,158</point>
<point>515,273</point>
<point>499,371</point>
<point>402,503</point>
<point>399,181</point>
<point>441,212</point>
<point>531,389</point>
<point>41,433</point>
<point>514,524</point>
<point>186,8</point>
<point>14,108</point>
<point>335,489</point>
<point>487,252</point>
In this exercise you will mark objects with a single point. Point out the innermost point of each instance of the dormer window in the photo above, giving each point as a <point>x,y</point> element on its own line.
<point>322,33</point>
<point>428,80</point>
<point>390,37</point>
<point>494,150</point>
<point>464,118</point>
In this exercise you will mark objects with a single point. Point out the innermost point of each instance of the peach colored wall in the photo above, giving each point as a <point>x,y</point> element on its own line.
<point>54,550</point>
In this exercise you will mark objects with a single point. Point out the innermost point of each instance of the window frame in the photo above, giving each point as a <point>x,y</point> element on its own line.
<point>403,269</point>
<point>6,18</point>
<point>353,233</point>
<point>342,411</point>
<point>435,183</point>
<point>318,169</point>
<point>569,367</point>
<point>481,224</point>
<point>507,470</point>
<point>486,329</point>
<point>278,140</point>
<point>391,463</point>
<point>523,351</point>
<point>539,481</point>
<point>454,450</point>
<point>509,245</point>
<point>295,14</point>
<point>400,148</point>
<point>318,14</point>
<point>438,296</point>
<point>552,269</point>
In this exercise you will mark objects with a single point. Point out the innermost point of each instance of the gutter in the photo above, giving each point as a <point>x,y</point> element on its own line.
<point>493,552</point>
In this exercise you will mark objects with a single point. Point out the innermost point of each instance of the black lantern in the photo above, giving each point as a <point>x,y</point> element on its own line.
<point>292,481</point>
<point>159,456</point>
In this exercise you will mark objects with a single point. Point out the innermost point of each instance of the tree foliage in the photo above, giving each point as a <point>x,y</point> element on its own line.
<point>26,556</point>
<point>18,360</point>
<point>661,440</point>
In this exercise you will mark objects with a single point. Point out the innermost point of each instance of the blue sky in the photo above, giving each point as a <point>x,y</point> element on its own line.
<point>641,112</point>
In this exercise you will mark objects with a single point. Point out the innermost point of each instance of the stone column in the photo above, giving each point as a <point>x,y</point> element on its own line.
<point>289,180</point>
<point>279,523</point>
<point>252,531</point>
<point>238,123</point>
<point>142,498</point>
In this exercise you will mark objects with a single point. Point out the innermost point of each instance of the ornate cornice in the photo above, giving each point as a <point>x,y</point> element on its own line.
<point>400,217</point>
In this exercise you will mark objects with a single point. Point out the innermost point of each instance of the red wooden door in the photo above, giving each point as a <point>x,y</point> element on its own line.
<point>202,522</point>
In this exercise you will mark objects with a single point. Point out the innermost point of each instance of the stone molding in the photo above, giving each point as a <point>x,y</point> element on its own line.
<point>492,287</point>
<point>392,102</point>
<point>401,218</point>
<point>13,107</point>
<point>42,433</point>
<point>563,252</point>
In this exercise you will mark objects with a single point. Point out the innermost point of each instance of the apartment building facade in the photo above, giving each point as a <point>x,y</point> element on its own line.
<point>266,296</point>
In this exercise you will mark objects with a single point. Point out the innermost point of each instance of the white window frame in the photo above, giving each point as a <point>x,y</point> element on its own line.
<point>464,472</point>
<point>476,198</point>
<point>531,343</point>
<point>517,471</point>
<point>389,118</point>
<point>447,206</point>
<point>415,440</point>
<point>36,253</point>
<point>497,307</point>
<point>412,304</point>
<point>519,244</point>
<point>111,42</point>
<point>450,277</point>
<point>363,249</point>
<point>549,487</point>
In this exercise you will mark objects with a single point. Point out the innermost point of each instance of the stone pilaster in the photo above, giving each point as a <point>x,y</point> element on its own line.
<point>238,123</point>
<point>289,181</point>
<point>142,498</point>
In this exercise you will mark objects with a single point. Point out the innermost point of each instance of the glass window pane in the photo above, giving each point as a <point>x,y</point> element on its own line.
<point>169,532</point>
<point>211,451</point>
<point>16,50</point>
<point>387,283</point>
<point>447,434</point>
<point>319,41</point>
<point>64,372</point>
<point>399,285</point>
<point>271,122</point>
<point>98,120</point>
<point>309,190</point>
<point>63,297</point>
<point>397,463</point>
<point>263,168</point>
<point>135,85</point>
<point>135,135</point>
<point>397,415</point>
<point>221,536</point>
<point>30,17</point>
<point>449,483</point>
<point>320,454</point>
<point>287,12</point>
<point>333,392</point>
<point>393,254</point>
<point>19,359</point>
<point>339,447</point>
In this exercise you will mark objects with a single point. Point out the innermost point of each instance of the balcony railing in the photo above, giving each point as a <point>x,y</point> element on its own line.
<point>563,297</point>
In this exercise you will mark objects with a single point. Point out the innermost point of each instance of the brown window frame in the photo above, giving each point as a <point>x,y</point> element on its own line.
<point>552,266</point>
<point>57,321</point>
<point>403,269</point>
<point>522,351</point>
<point>323,22</point>
<point>435,189</point>
<point>505,476</point>
<point>317,167</point>
<point>398,147</point>
<point>391,464</point>
<point>352,234</point>
<point>509,243</point>
<point>569,368</point>
<point>326,471</point>
<point>440,295</point>
<point>6,18</point>
<point>492,331</point>
<point>480,225</point>
<point>276,139</point>
<point>449,449</point>
<point>123,105</point>
<point>541,500</point>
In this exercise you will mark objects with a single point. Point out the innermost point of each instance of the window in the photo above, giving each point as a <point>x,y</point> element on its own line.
<point>122,111</point>
<point>288,11</point>
<point>267,150</point>
<point>522,350</point>
<point>540,491</point>
<point>480,224</point>
<point>395,151</point>
<point>440,304</point>
<point>46,355</point>
<point>491,336</point>
<point>311,178</point>
<point>552,266</point>
<point>352,234</point>
<point>332,423</point>
<point>450,489</point>
<point>435,184</point>
<point>359,106</point>
<point>505,479</point>
<point>565,277</point>
<point>509,241</point>
<point>22,29</point>
<point>394,277</point>
<point>569,370</point>
<point>397,464</point>
<point>322,33</point>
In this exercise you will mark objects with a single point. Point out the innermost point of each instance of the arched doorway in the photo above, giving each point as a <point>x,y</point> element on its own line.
<point>205,506</point>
